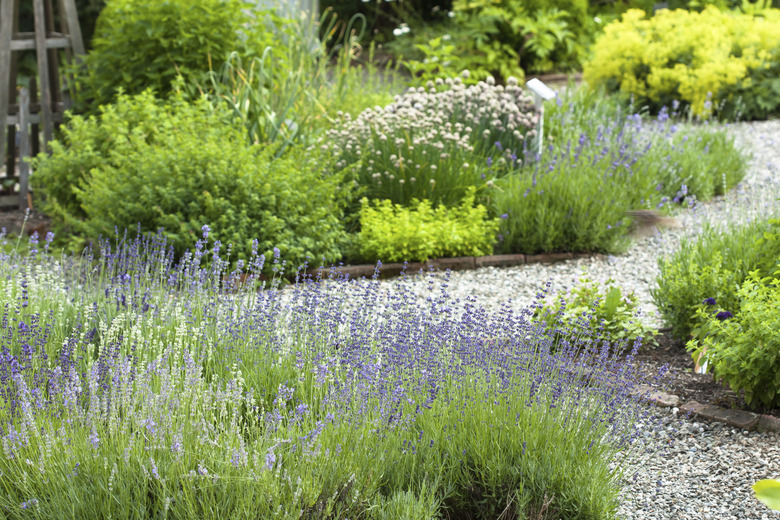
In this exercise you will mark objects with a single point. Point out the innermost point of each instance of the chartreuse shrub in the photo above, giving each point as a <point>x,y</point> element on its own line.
<point>661,59</point>
<point>135,386</point>
<point>392,233</point>
<point>151,163</point>
<point>140,44</point>
<point>606,309</point>
<point>743,348</point>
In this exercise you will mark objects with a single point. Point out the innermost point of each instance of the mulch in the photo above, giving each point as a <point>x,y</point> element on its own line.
<point>684,382</point>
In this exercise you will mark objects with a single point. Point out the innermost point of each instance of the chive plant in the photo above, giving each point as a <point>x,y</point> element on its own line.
<point>134,385</point>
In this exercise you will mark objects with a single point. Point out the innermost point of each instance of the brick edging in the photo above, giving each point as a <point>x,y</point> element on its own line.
<point>741,419</point>
<point>462,263</point>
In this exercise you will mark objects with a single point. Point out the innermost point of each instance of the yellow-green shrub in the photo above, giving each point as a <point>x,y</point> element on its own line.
<point>701,59</point>
<point>393,233</point>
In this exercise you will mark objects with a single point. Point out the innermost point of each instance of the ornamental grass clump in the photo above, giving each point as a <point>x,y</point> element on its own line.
<point>433,143</point>
<point>134,386</point>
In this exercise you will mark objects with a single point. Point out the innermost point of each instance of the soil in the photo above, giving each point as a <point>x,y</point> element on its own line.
<point>682,381</point>
<point>13,221</point>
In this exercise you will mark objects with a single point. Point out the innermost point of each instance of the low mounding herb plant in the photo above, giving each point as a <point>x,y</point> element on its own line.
<point>434,144</point>
<point>743,348</point>
<point>136,386</point>
<point>392,233</point>
<point>609,312</point>
<point>135,165</point>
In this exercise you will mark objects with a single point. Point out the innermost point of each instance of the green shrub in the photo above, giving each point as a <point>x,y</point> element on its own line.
<point>713,266</point>
<point>685,282</point>
<point>392,233</point>
<point>661,59</point>
<point>140,44</point>
<point>608,311</point>
<point>537,36</point>
<point>743,348</point>
<point>180,167</point>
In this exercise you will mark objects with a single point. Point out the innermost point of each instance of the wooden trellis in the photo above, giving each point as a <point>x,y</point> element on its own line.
<point>33,107</point>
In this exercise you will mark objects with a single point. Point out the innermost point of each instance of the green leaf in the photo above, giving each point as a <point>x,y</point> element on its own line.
<point>768,492</point>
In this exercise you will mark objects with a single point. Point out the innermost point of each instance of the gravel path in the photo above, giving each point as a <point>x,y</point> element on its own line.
<point>708,472</point>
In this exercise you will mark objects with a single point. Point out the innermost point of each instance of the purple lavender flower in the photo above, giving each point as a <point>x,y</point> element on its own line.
<point>270,459</point>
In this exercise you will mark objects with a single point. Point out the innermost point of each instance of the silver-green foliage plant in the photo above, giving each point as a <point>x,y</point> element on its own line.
<point>434,143</point>
<point>392,233</point>
<point>133,385</point>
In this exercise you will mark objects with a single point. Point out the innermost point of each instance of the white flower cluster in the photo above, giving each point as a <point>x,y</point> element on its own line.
<point>443,126</point>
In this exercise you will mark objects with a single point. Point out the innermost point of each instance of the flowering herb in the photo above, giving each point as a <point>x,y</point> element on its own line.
<point>433,144</point>
<point>724,315</point>
<point>138,368</point>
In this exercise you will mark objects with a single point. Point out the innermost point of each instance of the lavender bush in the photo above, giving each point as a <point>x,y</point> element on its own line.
<point>433,143</point>
<point>601,161</point>
<point>133,386</point>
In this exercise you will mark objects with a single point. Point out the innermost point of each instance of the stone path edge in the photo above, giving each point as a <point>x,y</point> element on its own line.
<point>462,263</point>
<point>744,420</point>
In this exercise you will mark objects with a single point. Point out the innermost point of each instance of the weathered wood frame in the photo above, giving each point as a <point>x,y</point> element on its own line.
<point>50,106</point>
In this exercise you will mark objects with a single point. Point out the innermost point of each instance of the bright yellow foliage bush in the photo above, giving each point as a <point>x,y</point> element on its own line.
<point>700,59</point>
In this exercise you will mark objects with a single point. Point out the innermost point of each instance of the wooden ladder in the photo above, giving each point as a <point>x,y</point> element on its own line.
<point>28,108</point>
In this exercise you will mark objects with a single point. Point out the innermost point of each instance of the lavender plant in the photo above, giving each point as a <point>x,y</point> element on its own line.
<point>574,197</point>
<point>136,386</point>
<point>434,143</point>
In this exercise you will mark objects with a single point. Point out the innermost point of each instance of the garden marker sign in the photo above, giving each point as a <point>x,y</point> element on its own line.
<point>542,93</point>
